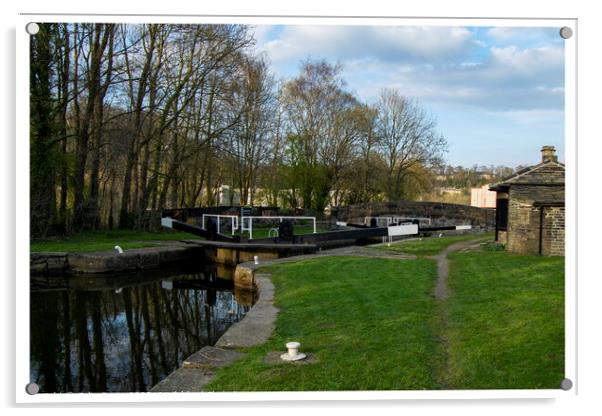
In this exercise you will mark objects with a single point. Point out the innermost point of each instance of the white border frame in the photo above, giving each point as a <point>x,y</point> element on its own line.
<point>22,213</point>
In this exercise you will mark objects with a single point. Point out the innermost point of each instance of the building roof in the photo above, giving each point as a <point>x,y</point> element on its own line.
<point>550,173</point>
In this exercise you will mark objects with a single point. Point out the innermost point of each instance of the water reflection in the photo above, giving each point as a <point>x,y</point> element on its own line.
<point>97,335</point>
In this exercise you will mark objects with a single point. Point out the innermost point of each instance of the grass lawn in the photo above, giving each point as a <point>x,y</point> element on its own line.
<point>107,240</point>
<point>431,245</point>
<point>506,320</point>
<point>367,321</point>
<point>373,324</point>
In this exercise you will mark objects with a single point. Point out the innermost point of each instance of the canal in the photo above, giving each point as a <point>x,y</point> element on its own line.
<point>125,333</point>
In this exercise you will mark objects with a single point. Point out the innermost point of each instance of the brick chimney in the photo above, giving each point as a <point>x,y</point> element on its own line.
<point>548,154</point>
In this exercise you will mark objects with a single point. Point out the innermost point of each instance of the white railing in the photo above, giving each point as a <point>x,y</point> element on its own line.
<point>250,218</point>
<point>248,226</point>
<point>233,219</point>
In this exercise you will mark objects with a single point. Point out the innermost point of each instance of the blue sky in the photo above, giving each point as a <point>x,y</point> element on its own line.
<point>497,93</point>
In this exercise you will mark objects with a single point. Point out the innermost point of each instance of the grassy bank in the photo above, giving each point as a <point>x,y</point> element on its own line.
<point>106,240</point>
<point>428,246</point>
<point>373,324</point>
<point>365,320</point>
<point>506,321</point>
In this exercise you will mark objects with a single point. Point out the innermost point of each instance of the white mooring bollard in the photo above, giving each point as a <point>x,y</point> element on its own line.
<point>293,353</point>
<point>256,259</point>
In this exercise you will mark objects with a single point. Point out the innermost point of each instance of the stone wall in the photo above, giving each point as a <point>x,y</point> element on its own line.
<point>48,263</point>
<point>523,226</point>
<point>439,213</point>
<point>553,231</point>
<point>502,237</point>
<point>524,220</point>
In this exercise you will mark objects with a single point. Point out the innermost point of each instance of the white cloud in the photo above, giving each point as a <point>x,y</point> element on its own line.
<point>495,85</point>
<point>261,33</point>
<point>522,34</point>
<point>528,59</point>
<point>550,90</point>
<point>511,78</point>
<point>389,43</point>
<point>502,32</point>
<point>536,116</point>
<point>437,65</point>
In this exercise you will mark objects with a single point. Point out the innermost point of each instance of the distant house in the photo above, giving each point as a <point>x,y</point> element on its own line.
<point>484,175</point>
<point>228,196</point>
<point>530,208</point>
<point>450,191</point>
<point>482,197</point>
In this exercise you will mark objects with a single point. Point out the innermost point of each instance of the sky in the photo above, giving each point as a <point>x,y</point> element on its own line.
<point>497,93</point>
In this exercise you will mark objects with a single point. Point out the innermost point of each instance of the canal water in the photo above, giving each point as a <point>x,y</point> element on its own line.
<point>126,333</point>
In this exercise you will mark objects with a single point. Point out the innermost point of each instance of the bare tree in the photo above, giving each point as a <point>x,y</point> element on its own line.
<point>99,35</point>
<point>407,138</point>
<point>137,94</point>
<point>254,99</point>
<point>321,134</point>
<point>133,119</point>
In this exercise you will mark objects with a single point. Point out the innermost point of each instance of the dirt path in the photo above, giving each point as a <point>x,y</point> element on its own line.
<point>441,294</point>
<point>441,289</point>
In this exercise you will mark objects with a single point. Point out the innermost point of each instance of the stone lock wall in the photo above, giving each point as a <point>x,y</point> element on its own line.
<point>524,221</point>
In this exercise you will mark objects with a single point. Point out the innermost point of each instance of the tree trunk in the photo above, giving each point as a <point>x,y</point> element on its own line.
<point>43,145</point>
<point>93,209</point>
<point>81,152</point>
<point>64,90</point>
<point>132,152</point>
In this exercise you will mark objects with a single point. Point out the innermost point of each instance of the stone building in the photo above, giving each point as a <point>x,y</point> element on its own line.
<point>530,208</point>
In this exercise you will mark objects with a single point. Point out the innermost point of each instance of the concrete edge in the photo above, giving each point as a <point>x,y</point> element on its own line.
<point>254,329</point>
<point>258,324</point>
